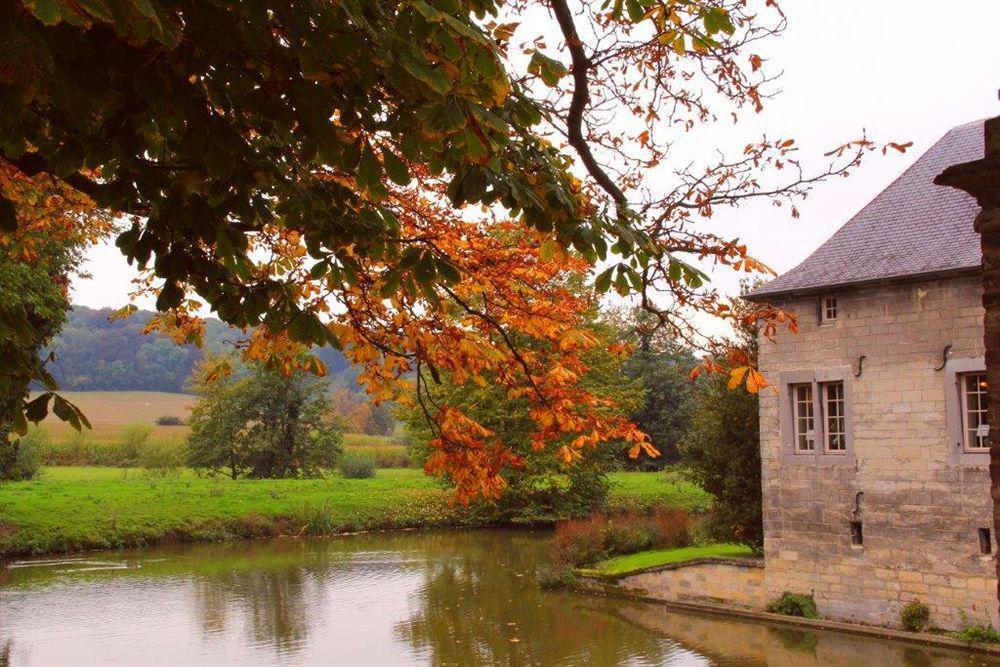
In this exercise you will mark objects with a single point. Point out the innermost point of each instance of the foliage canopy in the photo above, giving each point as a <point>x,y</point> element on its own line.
<point>325,197</point>
<point>264,425</point>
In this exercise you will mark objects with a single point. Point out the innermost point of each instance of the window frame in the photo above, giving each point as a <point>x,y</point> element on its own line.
<point>981,409</point>
<point>954,370</point>
<point>809,435</point>
<point>825,402</point>
<point>789,428</point>
<point>829,309</point>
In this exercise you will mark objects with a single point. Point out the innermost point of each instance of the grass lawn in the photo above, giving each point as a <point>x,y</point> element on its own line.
<point>646,559</point>
<point>71,508</point>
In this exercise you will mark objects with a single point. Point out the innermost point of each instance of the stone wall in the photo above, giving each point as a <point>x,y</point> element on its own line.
<point>725,580</point>
<point>922,501</point>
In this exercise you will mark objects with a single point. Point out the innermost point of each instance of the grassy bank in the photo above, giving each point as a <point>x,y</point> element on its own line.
<point>73,508</point>
<point>646,559</point>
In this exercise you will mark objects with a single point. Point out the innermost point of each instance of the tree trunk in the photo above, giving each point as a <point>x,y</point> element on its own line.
<point>988,225</point>
<point>981,179</point>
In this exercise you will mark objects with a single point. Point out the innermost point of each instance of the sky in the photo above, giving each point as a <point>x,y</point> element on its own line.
<point>900,70</point>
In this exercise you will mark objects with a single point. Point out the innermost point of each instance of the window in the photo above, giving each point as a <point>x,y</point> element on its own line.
<point>975,424</point>
<point>802,410</point>
<point>857,534</point>
<point>828,309</point>
<point>836,418</point>
<point>985,542</point>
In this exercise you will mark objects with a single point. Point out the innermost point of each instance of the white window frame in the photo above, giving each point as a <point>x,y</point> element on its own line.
<point>832,416</point>
<point>806,403</point>
<point>954,371</point>
<point>979,414</point>
<point>790,430</point>
<point>829,309</point>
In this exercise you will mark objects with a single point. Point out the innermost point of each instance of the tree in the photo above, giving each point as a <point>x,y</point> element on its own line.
<point>269,170</point>
<point>36,261</point>
<point>543,486</point>
<point>663,368</point>
<point>263,425</point>
<point>722,448</point>
<point>981,179</point>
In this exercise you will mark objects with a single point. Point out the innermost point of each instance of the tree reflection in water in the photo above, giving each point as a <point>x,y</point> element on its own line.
<point>480,605</point>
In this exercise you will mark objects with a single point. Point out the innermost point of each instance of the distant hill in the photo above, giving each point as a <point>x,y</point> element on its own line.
<point>94,353</point>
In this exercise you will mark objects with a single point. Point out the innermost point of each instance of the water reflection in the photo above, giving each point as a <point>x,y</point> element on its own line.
<point>459,598</point>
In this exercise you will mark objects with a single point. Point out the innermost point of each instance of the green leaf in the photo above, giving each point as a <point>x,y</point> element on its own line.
<point>46,11</point>
<point>635,10</point>
<point>547,250</point>
<point>603,281</point>
<point>369,176</point>
<point>395,168</point>
<point>170,296</point>
<point>448,271</point>
<point>548,69</point>
<point>426,74</point>
<point>36,409</point>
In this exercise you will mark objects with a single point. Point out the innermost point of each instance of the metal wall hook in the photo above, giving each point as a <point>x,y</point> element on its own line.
<point>861,361</point>
<point>857,503</point>
<point>944,358</point>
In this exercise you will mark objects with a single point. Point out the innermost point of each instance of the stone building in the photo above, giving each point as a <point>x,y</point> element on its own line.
<point>876,485</point>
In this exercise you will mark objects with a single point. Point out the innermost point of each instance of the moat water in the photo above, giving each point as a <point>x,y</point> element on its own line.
<point>441,598</point>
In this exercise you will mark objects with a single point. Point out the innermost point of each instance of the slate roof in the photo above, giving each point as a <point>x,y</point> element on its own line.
<point>911,228</point>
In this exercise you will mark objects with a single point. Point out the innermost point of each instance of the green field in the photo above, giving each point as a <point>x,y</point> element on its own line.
<point>73,508</point>
<point>110,412</point>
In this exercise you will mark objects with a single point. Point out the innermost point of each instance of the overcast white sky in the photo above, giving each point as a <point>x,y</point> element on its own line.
<point>905,70</point>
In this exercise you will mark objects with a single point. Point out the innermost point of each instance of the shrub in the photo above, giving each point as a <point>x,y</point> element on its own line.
<point>722,450</point>
<point>169,420</point>
<point>21,458</point>
<point>794,604</point>
<point>555,577</point>
<point>580,542</point>
<point>316,519</point>
<point>915,616</point>
<point>262,425</point>
<point>352,466</point>
<point>130,444</point>
<point>976,633</point>
<point>161,458</point>
<point>981,634</point>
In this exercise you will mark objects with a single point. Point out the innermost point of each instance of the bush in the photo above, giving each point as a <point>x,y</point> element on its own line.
<point>722,450</point>
<point>169,420</point>
<point>555,577</point>
<point>580,542</point>
<point>130,444</point>
<point>263,425</point>
<point>794,604</point>
<point>22,458</point>
<point>161,458</point>
<point>352,466</point>
<point>915,616</point>
<point>979,634</point>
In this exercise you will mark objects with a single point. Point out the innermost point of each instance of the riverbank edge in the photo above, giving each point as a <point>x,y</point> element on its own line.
<point>605,587</point>
<point>257,527</point>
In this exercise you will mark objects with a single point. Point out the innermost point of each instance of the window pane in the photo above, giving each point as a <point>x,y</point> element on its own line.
<point>974,414</point>
<point>836,419</point>
<point>802,404</point>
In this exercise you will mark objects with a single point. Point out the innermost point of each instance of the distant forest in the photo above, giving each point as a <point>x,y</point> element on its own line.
<point>93,353</point>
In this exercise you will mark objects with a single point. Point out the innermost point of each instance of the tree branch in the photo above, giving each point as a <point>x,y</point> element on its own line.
<point>579,102</point>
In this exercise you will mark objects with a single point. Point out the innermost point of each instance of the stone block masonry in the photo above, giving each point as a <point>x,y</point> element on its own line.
<point>920,498</point>
<point>721,580</point>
